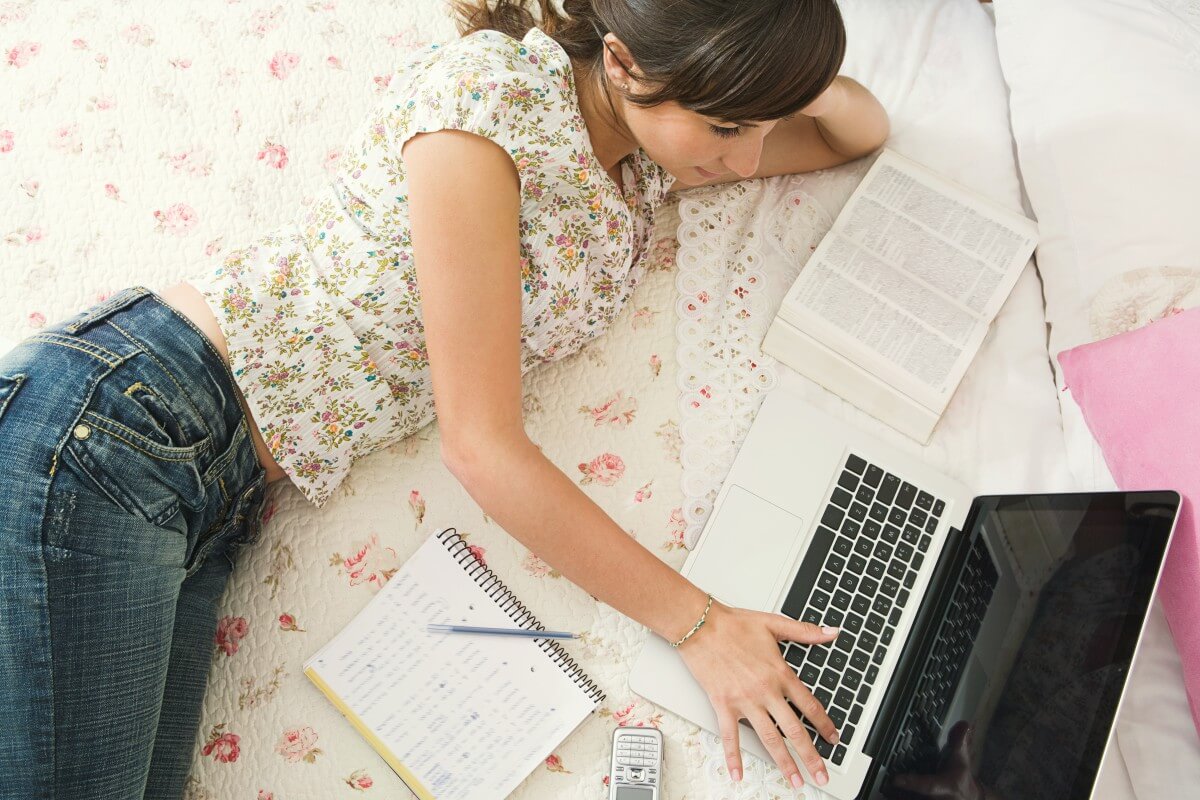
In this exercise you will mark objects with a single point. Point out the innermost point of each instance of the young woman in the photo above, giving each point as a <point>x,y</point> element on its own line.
<point>489,216</point>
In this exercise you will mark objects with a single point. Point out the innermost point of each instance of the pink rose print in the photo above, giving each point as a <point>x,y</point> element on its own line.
<point>382,81</point>
<point>617,411</point>
<point>30,187</point>
<point>604,469</point>
<point>263,22</point>
<point>223,747</point>
<point>36,319</point>
<point>195,163</point>
<point>643,493</point>
<point>66,139</point>
<point>283,64</point>
<point>643,318</point>
<point>371,564</point>
<point>6,141</point>
<point>298,744</point>
<point>230,632</point>
<point>333,62</point>
<point>139,33</point>
<point>21,55</point>
<point>288,623</point>
<point>655,364</point>
<point>212,248</point>
<point>102,60</point>
<point>478,552</point>
<point>263,794</point>
<point>360,780</point>
<point>538,568</point>
<point>276,155</point>
<point>79,44</point>
<point>332,159</point>
<point>417,504</point>
<point>34,235</point>
<point>180,63</point>
<point>10,12</point>
<point>179,219</point>
<point>554,764</point>
<point>676,527</point>
<point>624,717</point>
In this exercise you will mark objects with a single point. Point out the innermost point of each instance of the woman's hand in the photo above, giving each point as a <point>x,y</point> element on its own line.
<point>735,657</point>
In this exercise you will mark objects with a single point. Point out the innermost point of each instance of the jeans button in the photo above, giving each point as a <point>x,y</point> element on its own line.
<point>82,431</point>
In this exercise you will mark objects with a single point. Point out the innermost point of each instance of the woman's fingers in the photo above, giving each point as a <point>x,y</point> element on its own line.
<point>788,721</point>
<point>793,630</point>
<point>811,708</point>
<point>772,739</point>
<point>727,721</point>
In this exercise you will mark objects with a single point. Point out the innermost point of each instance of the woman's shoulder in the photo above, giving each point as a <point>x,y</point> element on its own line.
<point>487,60</point>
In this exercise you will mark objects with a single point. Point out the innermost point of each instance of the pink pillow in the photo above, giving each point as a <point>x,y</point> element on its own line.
<point>1140,395</point>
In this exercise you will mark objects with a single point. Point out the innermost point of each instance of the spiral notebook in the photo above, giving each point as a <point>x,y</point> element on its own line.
<point>457,717</point>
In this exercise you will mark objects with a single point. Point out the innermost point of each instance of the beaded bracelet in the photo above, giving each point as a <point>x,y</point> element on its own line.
<point>697,626</point>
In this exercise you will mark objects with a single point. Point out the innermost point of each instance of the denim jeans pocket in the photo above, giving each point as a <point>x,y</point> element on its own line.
<point>130,445</point>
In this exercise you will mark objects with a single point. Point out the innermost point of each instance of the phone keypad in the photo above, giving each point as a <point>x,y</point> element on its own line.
<point>637,758</point>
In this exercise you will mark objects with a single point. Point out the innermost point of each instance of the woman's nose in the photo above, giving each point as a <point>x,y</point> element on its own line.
<point>744,157</point>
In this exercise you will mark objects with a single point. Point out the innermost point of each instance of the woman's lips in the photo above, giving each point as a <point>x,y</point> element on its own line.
<point>706,174</point>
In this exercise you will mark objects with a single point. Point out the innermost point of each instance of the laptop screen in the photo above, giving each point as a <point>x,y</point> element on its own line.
<point>1028,649</point>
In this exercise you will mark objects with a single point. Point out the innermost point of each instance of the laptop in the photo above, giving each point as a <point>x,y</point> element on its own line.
<point>1016,615</point>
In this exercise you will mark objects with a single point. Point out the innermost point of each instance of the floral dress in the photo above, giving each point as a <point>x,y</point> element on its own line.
<point>323,315</point>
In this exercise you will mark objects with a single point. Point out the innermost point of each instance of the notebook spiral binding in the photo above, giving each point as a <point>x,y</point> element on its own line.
<point>516,610</point>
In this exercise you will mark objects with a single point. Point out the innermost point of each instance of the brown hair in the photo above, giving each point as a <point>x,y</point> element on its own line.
<point>730,60</point>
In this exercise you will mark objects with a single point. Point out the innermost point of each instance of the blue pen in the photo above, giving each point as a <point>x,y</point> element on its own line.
<point>436,628</point>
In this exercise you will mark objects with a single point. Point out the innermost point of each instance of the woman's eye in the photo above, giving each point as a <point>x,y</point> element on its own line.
<point>725,132</point>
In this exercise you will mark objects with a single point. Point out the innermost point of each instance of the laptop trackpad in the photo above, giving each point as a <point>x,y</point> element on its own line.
<point>745,549</point>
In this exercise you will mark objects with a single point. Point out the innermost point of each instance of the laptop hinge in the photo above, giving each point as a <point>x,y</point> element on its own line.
<point>919,642</point>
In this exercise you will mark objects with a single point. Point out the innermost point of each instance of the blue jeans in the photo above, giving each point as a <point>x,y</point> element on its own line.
<point>128,479</point>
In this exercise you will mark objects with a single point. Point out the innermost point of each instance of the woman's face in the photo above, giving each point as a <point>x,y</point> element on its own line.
<point>692,147</point>
<point>695,148</point>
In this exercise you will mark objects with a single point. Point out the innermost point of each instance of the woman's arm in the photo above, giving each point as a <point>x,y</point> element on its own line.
<point>846,122</point>
<point>464,212</point>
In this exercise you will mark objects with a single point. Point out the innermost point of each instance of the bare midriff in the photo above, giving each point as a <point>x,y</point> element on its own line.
<point>188,301</point>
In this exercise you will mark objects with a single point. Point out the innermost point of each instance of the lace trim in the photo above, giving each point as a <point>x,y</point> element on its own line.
<point>728,293</point>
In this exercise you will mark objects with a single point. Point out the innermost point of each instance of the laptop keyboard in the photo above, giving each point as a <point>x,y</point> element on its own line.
<point>916,743</point>
<point>857,574</point>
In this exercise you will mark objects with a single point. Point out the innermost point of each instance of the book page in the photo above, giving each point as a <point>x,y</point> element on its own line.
<point>470,716</point>
<point>910,276</point>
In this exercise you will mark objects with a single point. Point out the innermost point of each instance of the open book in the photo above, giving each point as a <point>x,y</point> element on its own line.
<point>894,303</point>
<point>457,717</point>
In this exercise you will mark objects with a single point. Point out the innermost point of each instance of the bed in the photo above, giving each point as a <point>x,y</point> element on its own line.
<point>140,143</point>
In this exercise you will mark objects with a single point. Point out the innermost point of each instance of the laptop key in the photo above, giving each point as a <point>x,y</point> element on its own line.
<point>823,747</point>
<point>811,615</point>
<point>860,605</point>
<point>819,600</point>
<point>904,552</point>
<point>863,546</point>
<point>886,636</point>
<point>833,617</point>
<point>918,517</point>
<point>853,623</point>
<point>931,525</point>
<point>868,587</point>
<point>856,464</point>
<point>874,623</point>
<point>842,546</point>
<point>917,561</point>
<point>867,641</point>
<point>924,500</point>
<point>850,528</point>
<point>891,534</point>
<point>874,476</point>
<point>846,735</point>
<point>832,516</point>
<point>823,696</point>
<point>880,652</point>
<point>858,564</point>
<point>887,489</point>
<point>810,674</point>
<point>872,674</point>
<point>902,597</point>
<point>871,528</point>
<point>849,582</point>
<point>830,679</point>
<point>896,516</point>
<point>911,535</point>
<point>817,655</point>
<point>841,600</point>
<point>906,495</point>
<point>841,498</point>
<point>843,699</point>
<point>896,569</point>
<point>910,579</point>
<point>875,568</point>
<point>864,692</point>
<point>858,512</point>
<point>837,661</point>
<point>827,582</point>
<point>865,495</point>
<point>839,755</point>
<point>806,576</point>
<point>923,545</point>
<point>795,655</point>
<point>851,679</point>
<point>860,660</point>
<point>894,618</point>
<point>890,587</point>
<point>845,641</point>
<point>883,551</point>
<point>838,715</point>
<point>855,714</point>
<point>939,507</point>
<point>878,512</point>
<point>881,606</point>
<point>835,563</point>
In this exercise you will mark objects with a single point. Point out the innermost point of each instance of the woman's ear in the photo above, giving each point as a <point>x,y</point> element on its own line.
<point>619,66</point>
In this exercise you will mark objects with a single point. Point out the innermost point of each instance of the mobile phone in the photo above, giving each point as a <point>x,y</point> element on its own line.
<point>637,764</point>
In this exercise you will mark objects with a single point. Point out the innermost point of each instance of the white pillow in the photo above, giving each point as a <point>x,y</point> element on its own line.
<point>1105,110</point>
